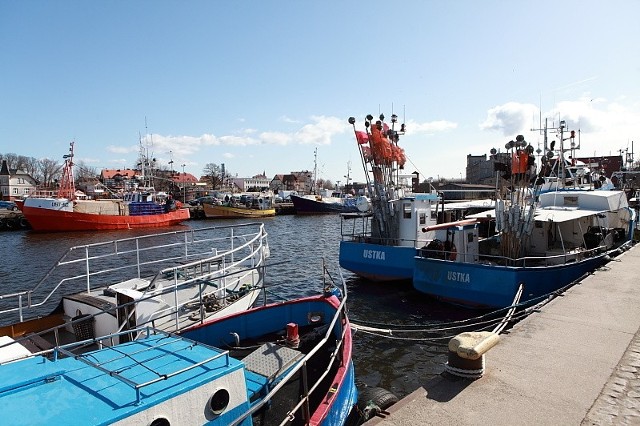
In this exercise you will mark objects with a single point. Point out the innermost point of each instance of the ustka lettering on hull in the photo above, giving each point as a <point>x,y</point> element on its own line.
<point>373,254</point>
<point>459,277</point>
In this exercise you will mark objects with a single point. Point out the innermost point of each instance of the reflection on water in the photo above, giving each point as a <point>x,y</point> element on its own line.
<point>299,244</point>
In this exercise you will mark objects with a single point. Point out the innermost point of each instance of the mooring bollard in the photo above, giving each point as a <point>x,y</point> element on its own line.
<point>466,353</point>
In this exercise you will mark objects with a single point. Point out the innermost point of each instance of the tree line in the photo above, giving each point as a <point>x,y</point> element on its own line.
<point>47,171</point>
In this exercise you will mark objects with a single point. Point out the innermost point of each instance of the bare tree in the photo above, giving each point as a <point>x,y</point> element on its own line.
<point>83,172</point>
<point>214,175</point>
<point>32,167</point>
<point>49,170</point>
<point>12,160</point>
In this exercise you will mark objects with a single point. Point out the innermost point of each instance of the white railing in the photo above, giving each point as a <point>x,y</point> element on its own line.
<point>94,266</point>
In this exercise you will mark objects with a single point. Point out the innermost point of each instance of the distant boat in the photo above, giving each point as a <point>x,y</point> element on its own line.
<point>248,205</point>
<point>335,203</point>
<point>69,212</point>
<point>284,362</point>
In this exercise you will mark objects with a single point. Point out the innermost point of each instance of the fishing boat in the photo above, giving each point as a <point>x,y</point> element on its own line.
<point>67,211</point>
<point>286,362</point>
<point>250,205</point>
<point>542,243</point>
<point>169,280</point>
<point>380,243</point>
<point>327,203</point>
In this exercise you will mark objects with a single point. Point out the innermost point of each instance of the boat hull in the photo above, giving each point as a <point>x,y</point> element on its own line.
<point>225,212</point>
<point>495,286</point>
<point>342,396</point>
<point>48,220</point>
<point>308,206</point>
<point>377,262</point>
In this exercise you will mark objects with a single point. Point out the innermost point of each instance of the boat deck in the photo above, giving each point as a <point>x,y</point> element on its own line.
<point>114,382</point>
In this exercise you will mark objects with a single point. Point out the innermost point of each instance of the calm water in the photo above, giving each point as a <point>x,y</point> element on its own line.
<point>298,246</point>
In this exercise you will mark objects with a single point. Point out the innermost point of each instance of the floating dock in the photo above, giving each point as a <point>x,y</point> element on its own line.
<point>576,361</point>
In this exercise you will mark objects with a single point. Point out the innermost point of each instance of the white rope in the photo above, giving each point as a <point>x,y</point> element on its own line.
<point>510,312</point>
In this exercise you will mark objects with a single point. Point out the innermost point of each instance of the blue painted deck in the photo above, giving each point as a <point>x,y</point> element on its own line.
<point>70,392</point>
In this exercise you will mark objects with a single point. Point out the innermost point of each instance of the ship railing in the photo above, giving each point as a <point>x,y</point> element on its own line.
<point>224,272</point>
<point>568,256</point>
<point>66,350</point>
<point>338,322</point>
<point>98,265</point>
<point>165,320</point>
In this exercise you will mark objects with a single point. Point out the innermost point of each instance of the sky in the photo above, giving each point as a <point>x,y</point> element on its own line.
<point>268,86</point>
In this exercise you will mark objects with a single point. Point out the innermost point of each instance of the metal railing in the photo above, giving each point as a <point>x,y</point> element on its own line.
<point>94,266</point>
<point>301,366</point>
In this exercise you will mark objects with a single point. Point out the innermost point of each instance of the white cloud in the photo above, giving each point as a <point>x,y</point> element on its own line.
<point>604,126</point>
<point>275,138</point>
<point>511,118</point>
<point>286,119</point>
<point>122,149</point>
<point>321,131</point>
<point>430,127</point>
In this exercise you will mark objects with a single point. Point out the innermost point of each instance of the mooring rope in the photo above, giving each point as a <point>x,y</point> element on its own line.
<point>479,323</point>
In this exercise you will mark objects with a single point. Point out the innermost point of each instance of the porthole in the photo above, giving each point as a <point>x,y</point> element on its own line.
<point>219,401</point>
<point>160,421</point>
<point>315,317</point>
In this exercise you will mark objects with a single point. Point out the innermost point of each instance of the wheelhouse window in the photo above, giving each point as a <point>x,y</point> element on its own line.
<point>406,209</point>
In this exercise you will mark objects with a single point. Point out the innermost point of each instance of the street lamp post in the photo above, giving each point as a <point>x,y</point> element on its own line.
<point>184,190</point>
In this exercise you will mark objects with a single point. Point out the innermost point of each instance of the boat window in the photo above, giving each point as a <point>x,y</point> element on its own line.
<point>571,201</point>
<point>423,218</point>
<point>406,208</point>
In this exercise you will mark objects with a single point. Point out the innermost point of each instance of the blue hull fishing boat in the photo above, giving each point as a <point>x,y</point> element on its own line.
<point>279,363</point>
<point>543,241</point>
<point>381,244</point>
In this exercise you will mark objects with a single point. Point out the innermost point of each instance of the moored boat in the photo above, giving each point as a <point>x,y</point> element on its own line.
<point>170,280</point>
<point>254,206</point>
<point>274,364</point>
<point>68,212</point>
<point>542,242</point>
<point>327,204</point>
<point>381,244</point>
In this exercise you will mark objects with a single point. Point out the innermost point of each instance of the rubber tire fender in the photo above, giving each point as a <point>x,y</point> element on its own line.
<point>376,395</point>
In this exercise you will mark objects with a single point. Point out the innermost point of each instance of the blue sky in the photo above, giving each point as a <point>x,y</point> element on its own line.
<point>260,85</point>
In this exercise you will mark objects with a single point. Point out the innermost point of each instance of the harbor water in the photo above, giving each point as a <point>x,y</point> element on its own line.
<point>298,245</point>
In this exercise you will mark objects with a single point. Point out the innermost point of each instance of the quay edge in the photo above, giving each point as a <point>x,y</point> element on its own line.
<point>577,361</point>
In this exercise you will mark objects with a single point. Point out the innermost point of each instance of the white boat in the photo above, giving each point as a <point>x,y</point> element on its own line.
<point>170,281</point>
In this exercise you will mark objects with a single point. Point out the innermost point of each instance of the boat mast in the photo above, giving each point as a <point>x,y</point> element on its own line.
<point>315,171</point>
<point>67,187</point>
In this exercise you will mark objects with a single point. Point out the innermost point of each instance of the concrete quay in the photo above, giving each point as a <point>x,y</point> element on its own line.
<point>576,362</point>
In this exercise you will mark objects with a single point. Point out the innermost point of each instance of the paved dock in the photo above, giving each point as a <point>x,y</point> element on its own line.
<point>576,362</point>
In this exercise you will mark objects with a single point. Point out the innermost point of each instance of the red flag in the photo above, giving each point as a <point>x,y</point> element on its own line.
<point>362,137</point>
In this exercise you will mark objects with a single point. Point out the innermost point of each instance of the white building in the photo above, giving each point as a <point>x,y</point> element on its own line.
<point>15,184</point>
